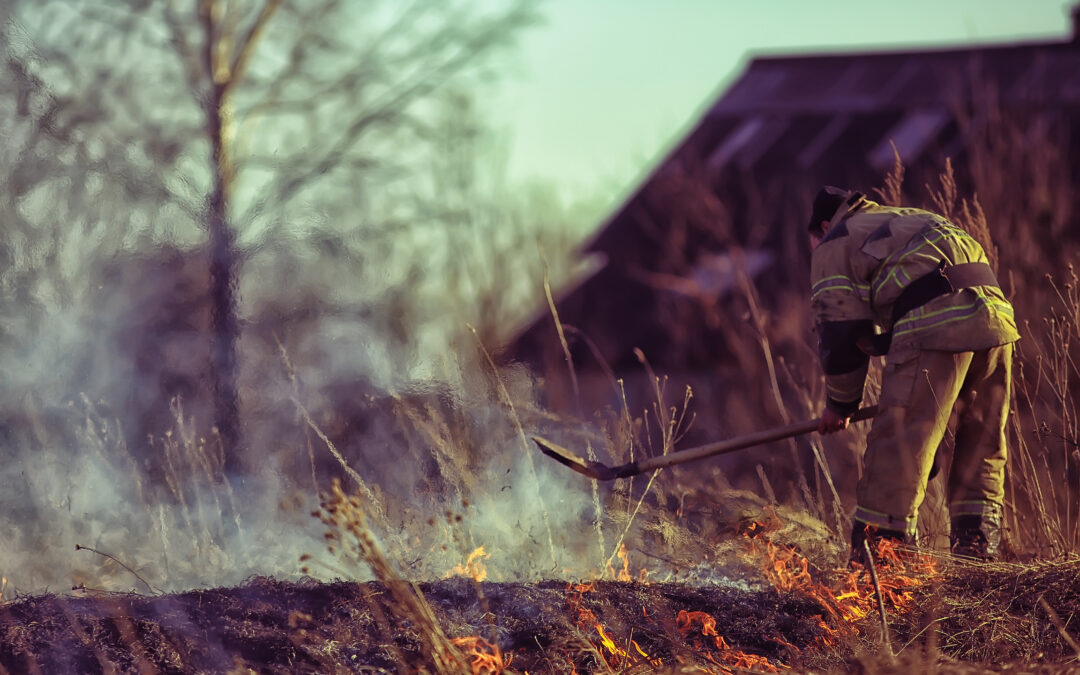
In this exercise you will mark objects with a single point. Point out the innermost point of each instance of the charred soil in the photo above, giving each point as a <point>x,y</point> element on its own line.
<point>975,618</point>
<point>307,626</point>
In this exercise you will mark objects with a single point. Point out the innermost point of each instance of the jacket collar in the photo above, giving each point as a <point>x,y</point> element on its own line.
<point>855,202</point>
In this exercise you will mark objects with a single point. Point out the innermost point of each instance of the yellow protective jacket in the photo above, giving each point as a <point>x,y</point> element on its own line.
<point>869,256</point>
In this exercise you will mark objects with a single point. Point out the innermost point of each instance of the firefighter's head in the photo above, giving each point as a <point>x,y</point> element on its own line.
<point>831,205</point>
<point>826,204</point>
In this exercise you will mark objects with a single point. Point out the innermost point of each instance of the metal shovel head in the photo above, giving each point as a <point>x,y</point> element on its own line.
<point>560,454</point>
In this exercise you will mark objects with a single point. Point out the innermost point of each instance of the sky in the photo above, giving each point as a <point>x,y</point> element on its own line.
<point>598,92</point>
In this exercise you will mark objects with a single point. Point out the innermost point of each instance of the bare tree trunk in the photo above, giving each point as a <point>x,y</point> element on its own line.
<point>224,73</point>
<point>226,325</point>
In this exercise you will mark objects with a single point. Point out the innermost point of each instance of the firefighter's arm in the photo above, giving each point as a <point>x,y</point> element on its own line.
<point>840,302</point>
<point>845,365</point>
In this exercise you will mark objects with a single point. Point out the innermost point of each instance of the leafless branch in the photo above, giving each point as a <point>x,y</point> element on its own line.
<point>391,107</point>
<point>188,59</point>
<point>246,48</point>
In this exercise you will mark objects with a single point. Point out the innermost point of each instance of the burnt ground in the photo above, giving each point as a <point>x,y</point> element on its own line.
<point>975,618</point>
<point>275,626</point>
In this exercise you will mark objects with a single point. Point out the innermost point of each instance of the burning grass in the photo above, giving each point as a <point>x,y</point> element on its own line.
<point>275,626</point>
<point>968,618</point>
<point>794,615</point>
<point>765,595</point>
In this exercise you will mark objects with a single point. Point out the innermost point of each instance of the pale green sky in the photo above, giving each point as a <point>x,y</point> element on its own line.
<point>598,92</point>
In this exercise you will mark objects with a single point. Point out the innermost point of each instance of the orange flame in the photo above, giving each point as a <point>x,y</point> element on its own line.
<point>484,657</point>
<point>616,656</point>
<point>853,596</point>
<point>685,621</point>
<point>624,573</point>
<point>473,567</point>
<point>619,657</point>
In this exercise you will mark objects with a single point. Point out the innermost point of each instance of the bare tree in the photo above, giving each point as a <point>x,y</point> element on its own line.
<point>236,115</point>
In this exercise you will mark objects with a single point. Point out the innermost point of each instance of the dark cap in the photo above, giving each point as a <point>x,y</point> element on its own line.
<point>826,203</point>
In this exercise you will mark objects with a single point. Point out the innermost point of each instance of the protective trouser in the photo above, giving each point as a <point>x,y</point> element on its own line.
<point>919,392</point>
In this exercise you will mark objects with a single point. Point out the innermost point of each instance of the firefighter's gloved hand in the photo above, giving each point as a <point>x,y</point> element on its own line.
<point>832,421</point>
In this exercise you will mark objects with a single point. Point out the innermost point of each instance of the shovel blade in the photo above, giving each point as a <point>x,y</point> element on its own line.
<point>565,457</point>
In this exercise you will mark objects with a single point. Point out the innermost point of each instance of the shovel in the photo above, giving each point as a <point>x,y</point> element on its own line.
<point>598,471</point>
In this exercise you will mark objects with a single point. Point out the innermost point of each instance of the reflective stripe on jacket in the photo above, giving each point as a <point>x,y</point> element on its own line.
<point>870,254</point>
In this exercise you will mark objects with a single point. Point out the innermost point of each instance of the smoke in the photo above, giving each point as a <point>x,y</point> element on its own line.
<point>454,471</point>
<point>74,474</point>
<point>107,444</point>
<point>108,447</point>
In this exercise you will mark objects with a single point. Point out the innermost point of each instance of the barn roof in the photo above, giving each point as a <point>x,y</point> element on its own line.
<point>841,90</point>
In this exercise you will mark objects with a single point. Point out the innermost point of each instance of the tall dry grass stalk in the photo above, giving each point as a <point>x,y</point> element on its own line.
<point>1046,512</point>
<point>576,389</point>
<point>504,395</point>
<point>195,470</point>
<point>892,194</point>
<point>350,538</point>
<point>672,422</point>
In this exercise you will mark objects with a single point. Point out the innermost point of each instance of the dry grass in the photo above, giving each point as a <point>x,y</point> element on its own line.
<point>1002,612</point>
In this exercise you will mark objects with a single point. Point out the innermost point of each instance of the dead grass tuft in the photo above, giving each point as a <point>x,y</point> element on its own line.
<point>998,613</point>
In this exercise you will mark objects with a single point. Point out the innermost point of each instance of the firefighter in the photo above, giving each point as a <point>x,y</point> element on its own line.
<point>911,286</point>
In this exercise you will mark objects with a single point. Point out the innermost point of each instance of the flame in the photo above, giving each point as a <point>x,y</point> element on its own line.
<point>585,618</point>
<point>685,621</point>
<point>853,595</point>
<point>618,657</point>
<point>624,573</point>
<point>484,658</point>
<point>847,598</point>
<point>473,567</point>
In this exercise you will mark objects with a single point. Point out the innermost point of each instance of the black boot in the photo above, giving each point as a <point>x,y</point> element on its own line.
<point>861,532</point>
<point>977,537</point>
